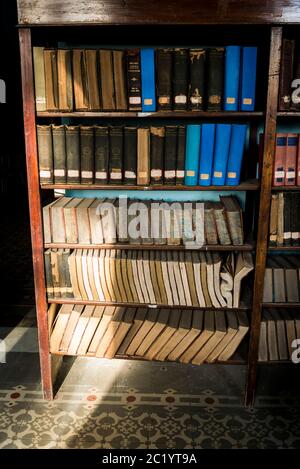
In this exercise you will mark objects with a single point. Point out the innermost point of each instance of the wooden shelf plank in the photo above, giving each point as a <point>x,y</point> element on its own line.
<point>277,362</point>
<point>251,185</point>
<point>162,114</point>
<point>74,301</point>
<point>288,114</point>
<point>284,248</point>
<point>155,247</point>
<point>281,305</point>
<point>285,188</point>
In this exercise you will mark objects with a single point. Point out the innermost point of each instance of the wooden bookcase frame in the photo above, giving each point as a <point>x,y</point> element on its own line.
<point>49,362</point>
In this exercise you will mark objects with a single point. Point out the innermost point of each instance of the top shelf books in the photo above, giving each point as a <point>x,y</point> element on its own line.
<point>212,79</point>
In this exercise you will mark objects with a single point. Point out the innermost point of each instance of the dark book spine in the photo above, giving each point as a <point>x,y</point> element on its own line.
<point>180,79</point>
<point>48,275</point>
<point>157,135</point>
<point>287,234</point>
<point>294,218</point>
<point>101,154</point>
<point>45,153</point>
<point>170,155</point>
<point>215,79</point>
<point>73,154</point>
<point>116,155</point>
<point>87,154</point>
<point>59,153</point>
<point>68,283</point>
<point>164,58</point>
<point>197,77</point>
<point>181,142</point>
<point>295,89</point>
<point>286,74</point>
<point>130,155</point>
<point>134,84</point>
<point>297,241</point>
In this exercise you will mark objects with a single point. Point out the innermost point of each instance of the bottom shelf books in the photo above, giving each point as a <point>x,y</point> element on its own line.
<point>281,283</point>
<point>188,336</point>
<point>184,278</point>
<point>278,332</point>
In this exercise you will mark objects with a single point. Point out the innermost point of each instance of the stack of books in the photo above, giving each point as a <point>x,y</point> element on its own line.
<point>286,170</point>
<point>207,154</point>
<point>281,283</point>
<point>187,336</point>
<point>145,79</point>
<point>284,227</point>
<point>289,99</point>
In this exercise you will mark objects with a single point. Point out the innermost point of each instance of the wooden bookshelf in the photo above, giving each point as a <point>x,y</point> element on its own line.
<point>156,247</point>
<point>54,18</point>
<point>284,248</point>
<point>285,188</point>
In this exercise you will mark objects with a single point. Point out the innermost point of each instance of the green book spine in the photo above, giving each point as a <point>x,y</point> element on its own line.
<point>101,154</point>
<point>73,154</point>
<point>87,154</point>
<point>59,153</point>
<point>45,153</point>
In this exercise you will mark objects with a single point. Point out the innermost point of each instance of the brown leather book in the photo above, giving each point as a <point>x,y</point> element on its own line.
<point>80,85</point>
<point>107,80</point>
<point>120,80</point>
<point>143,163</point>
<point>51,79</point>
<point>65,82</point>
<point>93,79</point>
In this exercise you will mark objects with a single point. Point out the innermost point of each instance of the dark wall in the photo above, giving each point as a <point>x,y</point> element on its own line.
<point>12,159</point>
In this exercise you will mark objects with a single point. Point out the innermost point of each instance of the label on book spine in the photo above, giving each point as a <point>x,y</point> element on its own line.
<point>164,99</point>
<point>86,174</point>
<point>45,174</point>
<point>287,235</point>
<point>180,173</point>
<point>247,101</point>
<point>156,173</point>
<point>204,176</point>
<point>59,172</point>
<point>290,174</point>
<point>231,175</point>
<point>73,173</point>
<point>196,99</point>
<point>101,175</point>
<point>230,100</point>
<point>170,174</point>
<point>40,100</point>
<point>218,174</point>
<point>116,176</point>
<point>130,175</point>
<point>148,102</point>
<point>180,99</point>
<point>190,173</point>
<point>279,174</point>
<point>135,100</point>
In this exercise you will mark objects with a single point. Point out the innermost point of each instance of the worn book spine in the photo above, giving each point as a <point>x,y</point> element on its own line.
<point>130,155</point>
<point>181,144</point>
<point>51,83</point>
<point>59,153</point>
<point>87,154</point>
<point>45,153</point>
<point>116,155</point>
<point>73,154</point>
<point>107,80</point>
<point>286,74</point>
<point>81,95</point>
<point>164,60</point>
<point>215,79</point>
<point>291,160</point>
<point>148,80</point>
<point>65,81</point>
<point>170,154</point>
<point>279,159</point>
<point>287,232</point>
<point>120,80</point>
<point>48,274</point>
<point>93,79</point>
<point>143,160</point>
<point>39,78</point>
<point>157,142</point>
<point>101,154</point>
<point>197,79</point>
<point>180,79</point>
<point>134,85</point>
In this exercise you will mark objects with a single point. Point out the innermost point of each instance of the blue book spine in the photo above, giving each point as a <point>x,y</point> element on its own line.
<point>222,142</point>
<point>236,151</point>
<point>232,78</point>
<point>248,79</point>
<point>193,135</point>
<point>148,80</point>
<point>206,154</point>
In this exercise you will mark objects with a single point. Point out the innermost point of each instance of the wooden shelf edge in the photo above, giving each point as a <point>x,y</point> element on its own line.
<point>169,114</point>
<point>288,114</point>
<point>283,248</point>
<point>276,362</point>
<point>252,185</point>
<point>74,301</point>
<point>281,305</point>
<point>155,247</point>
<point>285,188</point>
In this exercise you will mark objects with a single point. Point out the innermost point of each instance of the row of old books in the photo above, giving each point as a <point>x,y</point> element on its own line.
<point>189,336</point>
<point>145,79</point>
<point>281,283</point>
<point>108,221</point>
<point>289,96</point>
<point>148,277</point>
<point>278,331</point>
<point>286,171</point>
<point>284,227</point>
<point>194,154</point>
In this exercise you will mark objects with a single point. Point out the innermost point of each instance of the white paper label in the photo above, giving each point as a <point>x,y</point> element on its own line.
<point>180,99</point>
<point>86,174</point>
<point>247,101</point>
<point>279,174</point>
<point>287,235</point>
<point>196,99</point>
<point>117,176</point>
<point>73,173</point>
<point>40,100</point>
<point>291,174</point>
<point>190,173</point>
<point>230,100</point>
<point>45,174</point>
<point>59,172</point>
<point>148,102</point>
<point>170,174</point>
<point>218,174</point>
<point>156,173</point>
<point>130,175</point>
<point>180,173</point>
<point>231,175</point>
<point>295,235</point>
<point>204,177</point>
<point>101,175</point>
<point>135,100</point>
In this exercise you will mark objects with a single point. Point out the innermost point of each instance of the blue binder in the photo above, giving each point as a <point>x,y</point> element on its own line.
<point>206,154</point>
<point>222,142</point>
<point>232,78</point>
<point>193,133</point>
<point>148,80</point>
<point>248,79</point>
<point>236,151</point>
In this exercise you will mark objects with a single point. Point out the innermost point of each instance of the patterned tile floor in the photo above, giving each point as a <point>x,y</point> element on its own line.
<point>129,404</point>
